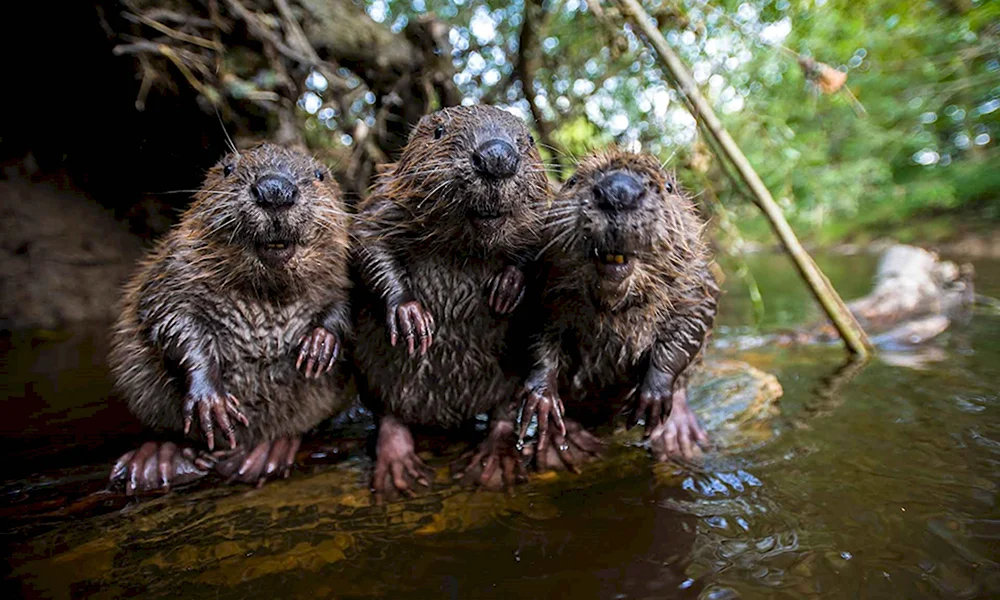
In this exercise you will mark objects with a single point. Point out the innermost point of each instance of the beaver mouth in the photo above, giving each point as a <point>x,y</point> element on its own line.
<point>276,253</point>
<point>613,266</point>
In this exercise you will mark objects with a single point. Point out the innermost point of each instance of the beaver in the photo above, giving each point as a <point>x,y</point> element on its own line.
<point>443,243</point>
<point>628,304</point>
<point>236,320</point>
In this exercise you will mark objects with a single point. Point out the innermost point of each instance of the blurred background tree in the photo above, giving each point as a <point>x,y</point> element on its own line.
<point>157,82</point>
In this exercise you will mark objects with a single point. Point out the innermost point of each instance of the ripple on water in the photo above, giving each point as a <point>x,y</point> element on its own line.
<point>743,532</point>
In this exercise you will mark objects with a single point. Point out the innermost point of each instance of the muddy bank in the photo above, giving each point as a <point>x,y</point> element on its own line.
<point>63,255</point>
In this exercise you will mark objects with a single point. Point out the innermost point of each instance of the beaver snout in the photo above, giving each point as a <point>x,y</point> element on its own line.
<point>619,192</point>
<point>496,159</point>
<point>274,191</point>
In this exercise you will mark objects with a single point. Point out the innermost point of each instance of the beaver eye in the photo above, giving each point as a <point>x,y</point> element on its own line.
<point>571,181</point>
<point>227,170</point>
<point>438,132</point>
<point>531,139</point>
<point>319,174</point>
<point>669,187</point>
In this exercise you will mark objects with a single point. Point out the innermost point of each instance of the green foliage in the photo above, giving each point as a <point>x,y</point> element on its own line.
<point>927,74</point>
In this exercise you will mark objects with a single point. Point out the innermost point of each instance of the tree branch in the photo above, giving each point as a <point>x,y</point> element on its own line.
<point>535,18</point>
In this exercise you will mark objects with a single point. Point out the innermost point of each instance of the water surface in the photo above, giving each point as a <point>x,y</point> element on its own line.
<point>877,483</point>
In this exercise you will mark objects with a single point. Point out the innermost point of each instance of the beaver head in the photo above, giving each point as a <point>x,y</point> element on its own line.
<point>470,175</point>
<point>269,209</point>
<point>633,225</point>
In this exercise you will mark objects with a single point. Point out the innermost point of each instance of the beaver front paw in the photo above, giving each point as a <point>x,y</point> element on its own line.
<point>156,466</point>
<point>680,435</point>
<point>274,458</point>
<point>214,409</point>
<point>496,463</point>
<point>398,469</point>
<point>655,400</point>
<point>570,451</point>
<point>506,289</point>
<point>319,352</point>
<point>540,399</point>
<point>410,320</point>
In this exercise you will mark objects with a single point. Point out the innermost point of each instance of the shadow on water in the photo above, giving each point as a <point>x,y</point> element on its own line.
<point>877,480</point>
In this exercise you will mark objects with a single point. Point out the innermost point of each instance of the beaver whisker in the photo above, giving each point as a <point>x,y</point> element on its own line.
<point>205,192</point>
<point>220,226</point>
<point>663,165</point>
<point>553,149</point>
<point>560,211</point>
<point>569,235</point>
<point>329,210</point>
<point>443,185</point>
<point>431,171</point>
<point>559,224</point>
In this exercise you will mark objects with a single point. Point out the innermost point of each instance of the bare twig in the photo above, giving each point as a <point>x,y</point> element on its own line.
<point>177,35</point>
<point>209,94</point>
<point>163,14</point>
<point>296,36</point>
<point>262,32</point>
<point>139,47</point>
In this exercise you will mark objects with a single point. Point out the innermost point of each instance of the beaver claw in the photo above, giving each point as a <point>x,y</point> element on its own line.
<point>496,463</point>
<point>156,466</point>
<point>570,451</point>
<point>680,435</point>
<point>540,399</point>
<point>319,352</point>
<point>268,459</point>
<point>412,321</point>
<point>655,400</point>
<point>506,290</point>
<point>398,469</point>
<point>213,405</point>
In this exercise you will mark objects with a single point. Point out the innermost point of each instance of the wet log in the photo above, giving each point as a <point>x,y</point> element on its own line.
<point>915,297</point>
<point>913,283</point>
<point>227,542</point>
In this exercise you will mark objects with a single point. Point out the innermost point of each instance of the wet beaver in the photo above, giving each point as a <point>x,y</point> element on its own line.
<point>628,304</point>
<point>442,240</point>
<point>236,319</point>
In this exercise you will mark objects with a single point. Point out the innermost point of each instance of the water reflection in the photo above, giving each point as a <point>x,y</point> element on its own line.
<point>877,480</point>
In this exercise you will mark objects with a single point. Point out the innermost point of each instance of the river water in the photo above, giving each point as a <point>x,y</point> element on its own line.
<point>876,483</point>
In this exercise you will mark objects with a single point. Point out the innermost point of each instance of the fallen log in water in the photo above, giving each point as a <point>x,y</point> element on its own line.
<point>913,284</point>
<point>915,297</point>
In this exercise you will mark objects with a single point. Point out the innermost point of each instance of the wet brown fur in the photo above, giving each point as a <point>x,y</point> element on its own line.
<point>205,286</point>
<point>602,335</point>
<point>416,237</point>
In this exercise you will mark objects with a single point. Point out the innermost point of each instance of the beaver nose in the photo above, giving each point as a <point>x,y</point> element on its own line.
<point>495,159</point>
<point>618,192</point>
<point>274,191</point>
